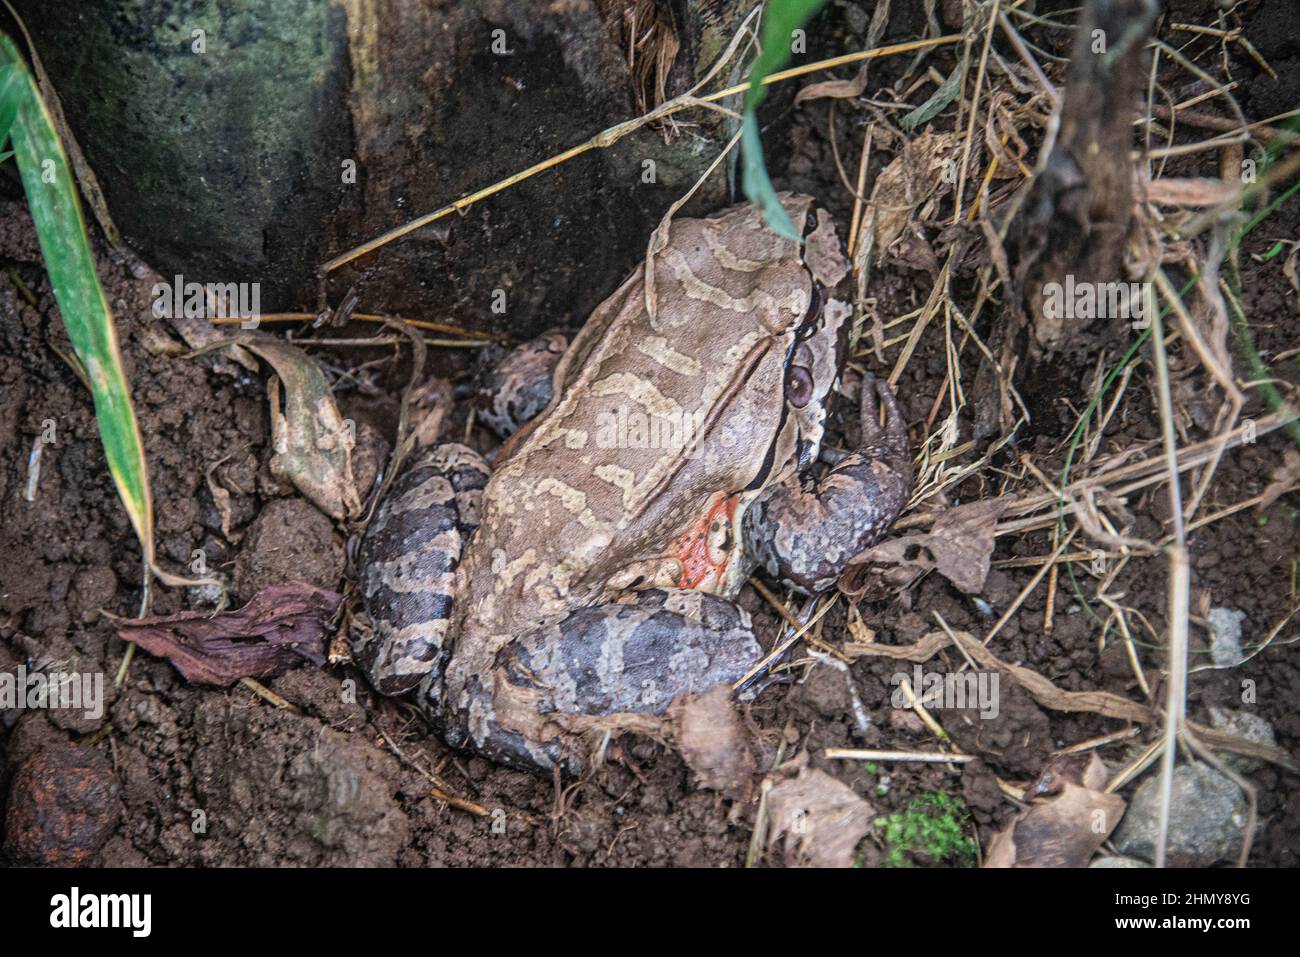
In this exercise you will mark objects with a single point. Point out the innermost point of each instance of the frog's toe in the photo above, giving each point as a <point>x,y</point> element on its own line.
<point>891,437</point>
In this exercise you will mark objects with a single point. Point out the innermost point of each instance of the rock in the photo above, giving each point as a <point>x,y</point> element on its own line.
<point>1246,725</point>
<point>1225,636</point>
<point>1207,814</point>
<point>364,121</point>
<point>63,805</point>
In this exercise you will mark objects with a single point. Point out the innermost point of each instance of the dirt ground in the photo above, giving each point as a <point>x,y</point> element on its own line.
<point>340,782</point>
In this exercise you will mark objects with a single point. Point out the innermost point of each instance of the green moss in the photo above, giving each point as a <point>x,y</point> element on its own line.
<point>931,832</point>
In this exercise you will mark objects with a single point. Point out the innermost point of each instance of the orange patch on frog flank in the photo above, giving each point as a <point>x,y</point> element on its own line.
<point>698,567</point>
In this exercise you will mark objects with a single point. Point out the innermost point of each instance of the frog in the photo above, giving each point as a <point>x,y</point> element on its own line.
<point>587,579</point>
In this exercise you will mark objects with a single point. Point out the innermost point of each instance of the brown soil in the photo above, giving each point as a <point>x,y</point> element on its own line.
<point>328,786</point>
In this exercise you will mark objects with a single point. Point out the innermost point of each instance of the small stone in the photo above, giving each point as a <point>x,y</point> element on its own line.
<point>63,805</point>
<point>1225,636</point>
<point>1206,816</point>
<point>1246,725</point>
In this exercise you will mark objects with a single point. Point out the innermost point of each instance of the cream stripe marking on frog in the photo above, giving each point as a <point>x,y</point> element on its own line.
<point>717,406</point>
<point>402,575</point>
<point>574,500</point>
<point>622,479</point>
<point>658,349</point>
<point>640,391</point>
<point>728,259</point>
<point>507,571</point>
<point>419,633</point>
<point>759,301</point>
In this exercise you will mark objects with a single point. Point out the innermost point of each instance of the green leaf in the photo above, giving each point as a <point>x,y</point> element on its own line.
<point>941,97</point>
<point>780,19</point>
<point>10,96</point>
<point>61,230</point>
<point>758,185</point>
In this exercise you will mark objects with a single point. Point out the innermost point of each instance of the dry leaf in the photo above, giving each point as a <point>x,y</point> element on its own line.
<point>917,176</point>
<point>312,443</point>
<point>1047,694</point>
<point>959,545</point>
<point>282,627</point>
<point>847,89</point>
<point>712,739</point>
<point>1040,689</point>
<point>922,650</point>
<point>821,818</point>
<point>1064,829</point>
<point>1283,476</point>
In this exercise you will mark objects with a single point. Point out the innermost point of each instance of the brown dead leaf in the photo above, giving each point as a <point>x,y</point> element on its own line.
<point>221,498</point>
<point>282,627</point>
<point>958,545</point>
<point>712,739</point>
<point>1283,476</point>
<point>1291,270</point>
<point>834,89</point>
<point>312,443</point>
<point>847,89</point>
<point>922,650</point>
<point>1065,828</point>
<point>914,180</point>
<point>1047,694</point>
<point>1040,689</point>
<point>821,818</point>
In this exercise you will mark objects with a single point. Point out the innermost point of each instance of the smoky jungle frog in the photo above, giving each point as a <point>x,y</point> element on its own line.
<point>587,579</point>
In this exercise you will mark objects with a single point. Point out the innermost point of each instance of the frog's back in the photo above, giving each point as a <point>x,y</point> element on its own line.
<point>654,419</point>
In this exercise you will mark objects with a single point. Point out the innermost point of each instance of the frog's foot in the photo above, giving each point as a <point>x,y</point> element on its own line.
<point>804,534</point>
<point>520,387</point>
<point>408,565</point>
<point>557,692</point>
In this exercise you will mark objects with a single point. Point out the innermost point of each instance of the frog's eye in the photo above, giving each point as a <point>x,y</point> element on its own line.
<point>798,386</point>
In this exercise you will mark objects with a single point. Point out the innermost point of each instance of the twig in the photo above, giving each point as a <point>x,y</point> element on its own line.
<point>922,757</point>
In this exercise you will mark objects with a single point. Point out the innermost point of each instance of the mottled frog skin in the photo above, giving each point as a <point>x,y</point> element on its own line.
<point>586,581</point>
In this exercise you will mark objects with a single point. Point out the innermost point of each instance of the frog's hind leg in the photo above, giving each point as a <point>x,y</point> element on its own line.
<point>804,533</point>
<point>408,565</point>
<point>556,691</point>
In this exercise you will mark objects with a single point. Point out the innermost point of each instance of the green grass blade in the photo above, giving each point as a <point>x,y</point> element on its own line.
<point>61,229</point>
<point>780,19</point>
<point>10,95</point>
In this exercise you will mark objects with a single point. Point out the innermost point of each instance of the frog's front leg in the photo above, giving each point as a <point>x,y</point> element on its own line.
<point>554,692</point>
<point>408,565</point>
<point>805,532</point>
